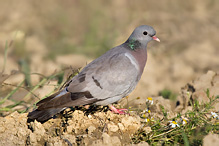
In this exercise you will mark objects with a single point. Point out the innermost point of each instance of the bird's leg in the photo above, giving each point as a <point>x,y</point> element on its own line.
<point>86,106</point>
<point>118,111</point>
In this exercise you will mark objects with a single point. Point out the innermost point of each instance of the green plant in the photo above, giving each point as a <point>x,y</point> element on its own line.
<point>184,129</point>
<point>167,94</point>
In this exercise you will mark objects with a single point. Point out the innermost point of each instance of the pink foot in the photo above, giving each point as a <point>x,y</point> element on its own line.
<point>117,111</point>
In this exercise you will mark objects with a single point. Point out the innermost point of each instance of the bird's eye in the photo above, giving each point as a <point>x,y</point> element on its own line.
<point>145,32</point>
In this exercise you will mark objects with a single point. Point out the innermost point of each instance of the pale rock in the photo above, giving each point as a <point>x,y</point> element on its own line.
<point>204,81</point>
<point>33,138</point>
<point>147,129</point>
<point>58,143</point>
<point>131,123</point>
<point>69,129</point>
<point>71,138</point>
<point>110,140</point>
<point>160,101</point>
<point>121,126</point>
<point>106,138</point>
<point>112,127</point>
<point>91,129</point>
<point>116,141</point>
<point>211,140</point>
<point>97,143</point>
<point>39,130</point>
<point>214,91</point>
<point>200,96</point>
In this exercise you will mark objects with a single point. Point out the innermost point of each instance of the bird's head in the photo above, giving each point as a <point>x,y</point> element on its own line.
<point>141,36</point>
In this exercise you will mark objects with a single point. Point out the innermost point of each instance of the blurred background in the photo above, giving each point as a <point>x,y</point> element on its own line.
<point>40,39</point>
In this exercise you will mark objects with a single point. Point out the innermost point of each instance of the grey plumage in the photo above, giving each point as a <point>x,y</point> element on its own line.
<point>105,80</point>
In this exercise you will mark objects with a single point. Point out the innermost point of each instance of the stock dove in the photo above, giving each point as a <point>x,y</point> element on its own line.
<point>105,80</point>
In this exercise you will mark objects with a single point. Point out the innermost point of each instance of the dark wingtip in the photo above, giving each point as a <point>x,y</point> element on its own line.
<point>42,115</point>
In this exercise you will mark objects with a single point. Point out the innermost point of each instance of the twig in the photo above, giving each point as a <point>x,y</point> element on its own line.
<point>7,84</point>
<point>163,133</point>
<point>35,87</point>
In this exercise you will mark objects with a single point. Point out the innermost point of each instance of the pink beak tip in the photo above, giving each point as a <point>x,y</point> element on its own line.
<point>156,38</point>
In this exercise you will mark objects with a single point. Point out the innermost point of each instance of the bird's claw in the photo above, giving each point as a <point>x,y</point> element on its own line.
<point>118,111</point>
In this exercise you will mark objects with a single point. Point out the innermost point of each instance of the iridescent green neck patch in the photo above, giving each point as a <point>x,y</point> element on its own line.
<point>133,44</point>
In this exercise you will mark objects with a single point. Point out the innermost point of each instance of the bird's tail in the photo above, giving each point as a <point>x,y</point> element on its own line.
<point>43,115</point>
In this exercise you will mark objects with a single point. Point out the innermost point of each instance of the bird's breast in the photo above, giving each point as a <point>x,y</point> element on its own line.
<point>140,57</point>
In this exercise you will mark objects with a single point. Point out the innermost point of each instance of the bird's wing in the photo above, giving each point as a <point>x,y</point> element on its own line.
<point>108,76</point>
<point>113,78</point>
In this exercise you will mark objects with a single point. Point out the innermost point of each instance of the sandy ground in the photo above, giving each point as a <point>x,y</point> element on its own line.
<point>104,128</point>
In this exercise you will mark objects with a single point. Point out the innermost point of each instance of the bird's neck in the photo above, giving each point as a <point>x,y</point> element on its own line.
<point>141,57</point>
<point>133,44</point>
<point>138,51</point>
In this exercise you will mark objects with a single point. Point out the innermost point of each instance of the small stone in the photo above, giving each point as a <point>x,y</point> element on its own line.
<point>113,127</point>
<point>147,129</point>
<point>69,129</point>
<point>106,138</point>
<point>58,143</point>
<point>33,138</point>
<point>14,114</point>
<point>97,143</point>
<point>115,141</point>
<point>121,127</point>
<point>131,124</point>
<point>21,132</point>
<point>91,129</point>
<point>211,140</point>
<point>204,81</point>
<point>69,138</point>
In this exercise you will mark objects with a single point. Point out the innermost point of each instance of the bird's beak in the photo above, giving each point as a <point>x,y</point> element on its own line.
<point>155,38</point>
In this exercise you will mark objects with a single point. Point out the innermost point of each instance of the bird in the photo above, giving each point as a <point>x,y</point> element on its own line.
<point>105,80</point>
